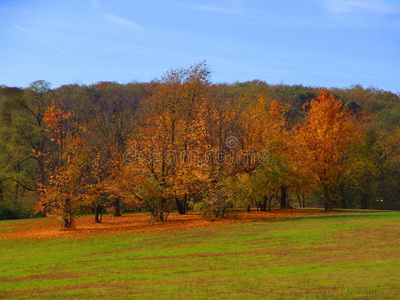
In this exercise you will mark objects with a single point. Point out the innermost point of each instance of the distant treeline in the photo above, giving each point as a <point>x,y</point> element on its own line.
<point>183,143</point>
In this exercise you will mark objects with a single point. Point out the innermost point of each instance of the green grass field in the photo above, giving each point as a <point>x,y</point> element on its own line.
<point>339,256</point>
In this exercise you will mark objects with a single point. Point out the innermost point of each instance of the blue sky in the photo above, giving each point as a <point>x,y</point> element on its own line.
<point>329,43</point>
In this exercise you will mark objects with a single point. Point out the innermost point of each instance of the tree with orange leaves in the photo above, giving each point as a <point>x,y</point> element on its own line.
<point>82,174</point>
<point>272,172</point>
<point>326,153</point>
<point>72,168</point>
<point>58,194</point>
<point>169,129</point>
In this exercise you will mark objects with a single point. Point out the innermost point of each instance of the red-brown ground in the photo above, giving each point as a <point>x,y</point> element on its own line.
<point>85,226</point>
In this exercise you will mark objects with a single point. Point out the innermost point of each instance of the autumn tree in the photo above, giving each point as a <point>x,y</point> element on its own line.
<point>268,138</point>
<point>217,199</point>
<point>112,125</point>
<point>279,143</point>
<point>169,130</point>
<point>66,162</point>
<point>326,146</point>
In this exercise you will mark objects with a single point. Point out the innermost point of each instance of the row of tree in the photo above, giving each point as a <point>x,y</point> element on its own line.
<point>184,143</point>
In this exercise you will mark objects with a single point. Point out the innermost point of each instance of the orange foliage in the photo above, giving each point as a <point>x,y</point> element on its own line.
<point>325,152</point>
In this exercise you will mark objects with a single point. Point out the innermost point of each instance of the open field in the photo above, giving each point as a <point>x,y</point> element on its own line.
<point>281,255</point>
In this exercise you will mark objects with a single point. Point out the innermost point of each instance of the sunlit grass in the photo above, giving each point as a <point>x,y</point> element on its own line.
<point>352,256</point>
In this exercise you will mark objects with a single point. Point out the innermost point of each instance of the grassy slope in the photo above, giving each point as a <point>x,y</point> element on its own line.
<point>345,256</point>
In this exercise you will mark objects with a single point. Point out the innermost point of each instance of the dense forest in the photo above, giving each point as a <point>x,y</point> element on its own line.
<point>182,143</point>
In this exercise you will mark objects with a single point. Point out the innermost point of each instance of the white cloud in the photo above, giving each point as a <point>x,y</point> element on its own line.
<point>234,7</point>
<point>362,6</point>
<point>128,24</point>
<point>363,13</point>
<point>215,9</point>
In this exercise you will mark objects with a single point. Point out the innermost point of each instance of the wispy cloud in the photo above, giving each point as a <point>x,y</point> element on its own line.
<point>215,9</point>
<point>95,3</point>
<point>122,22</point>
<point>234,7</point>
<point>364,6</point>
<point>43,41</point>
<point>363,13</point>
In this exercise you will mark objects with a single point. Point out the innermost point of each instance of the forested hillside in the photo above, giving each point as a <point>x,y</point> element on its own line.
<point>183,143</point>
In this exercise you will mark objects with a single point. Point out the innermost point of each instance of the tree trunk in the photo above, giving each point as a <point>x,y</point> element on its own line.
<point>181,205</point>
<point>327,205</point>
<point>67,223</point>
<point>263,204</point>
<point>301,198</point>
<point>248,208</point>
<point>67,214</point>
<point>343,203</point>
<point>117,207</point>
<point>98,213</point>
<point>364,201</point>
<point>270,202</point>
<point>283,197</point>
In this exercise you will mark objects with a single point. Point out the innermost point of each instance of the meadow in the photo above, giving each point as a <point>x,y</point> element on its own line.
<point>338,255</point>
